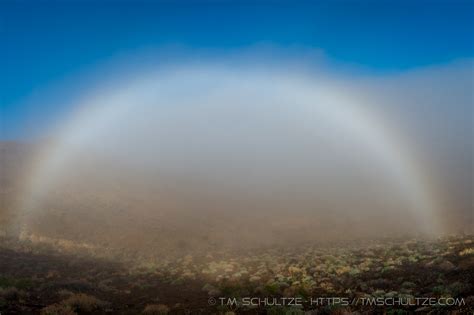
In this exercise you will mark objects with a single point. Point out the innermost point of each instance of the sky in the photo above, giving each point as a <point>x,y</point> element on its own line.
<point>48,43</point>
<point>326,109</point>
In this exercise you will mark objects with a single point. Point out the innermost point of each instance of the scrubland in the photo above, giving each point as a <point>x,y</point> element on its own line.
<point>47,276</point>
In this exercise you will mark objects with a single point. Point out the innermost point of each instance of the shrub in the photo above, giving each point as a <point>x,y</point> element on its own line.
<point>467,251</point>
<point>156,309</point>
<point>83,302</point>
<point>58,309</point>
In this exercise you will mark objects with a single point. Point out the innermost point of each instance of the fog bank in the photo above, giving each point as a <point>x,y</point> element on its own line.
<point>211,155</point>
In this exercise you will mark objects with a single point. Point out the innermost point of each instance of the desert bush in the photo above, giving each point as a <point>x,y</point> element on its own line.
<point>467,251</point>
<point>156,309</point>
<point>58,309</point>
<point>84,302</point>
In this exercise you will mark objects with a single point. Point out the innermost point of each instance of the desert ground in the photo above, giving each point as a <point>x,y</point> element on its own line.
<point>53,275</point>
<point>47,276</point>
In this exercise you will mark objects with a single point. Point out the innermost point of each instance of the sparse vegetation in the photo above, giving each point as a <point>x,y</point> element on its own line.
<point>84,302</point>
<point>51,283</point>
<point>58,309</point>
<point>156,309</point>
<point>467,251</point>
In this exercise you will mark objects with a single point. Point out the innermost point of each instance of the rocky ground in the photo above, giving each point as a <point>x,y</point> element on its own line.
<point>431,276</point>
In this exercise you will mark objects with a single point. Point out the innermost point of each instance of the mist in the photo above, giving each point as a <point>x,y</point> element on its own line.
<point>192,157</point>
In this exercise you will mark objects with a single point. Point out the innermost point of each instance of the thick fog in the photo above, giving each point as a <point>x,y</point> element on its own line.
<point>199,156</point>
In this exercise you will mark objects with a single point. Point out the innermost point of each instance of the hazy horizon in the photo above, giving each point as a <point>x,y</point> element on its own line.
<point>236,124</point>
<point>255,155</point>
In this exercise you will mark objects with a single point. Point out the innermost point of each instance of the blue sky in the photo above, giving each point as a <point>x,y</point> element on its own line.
<point>47,43</point>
